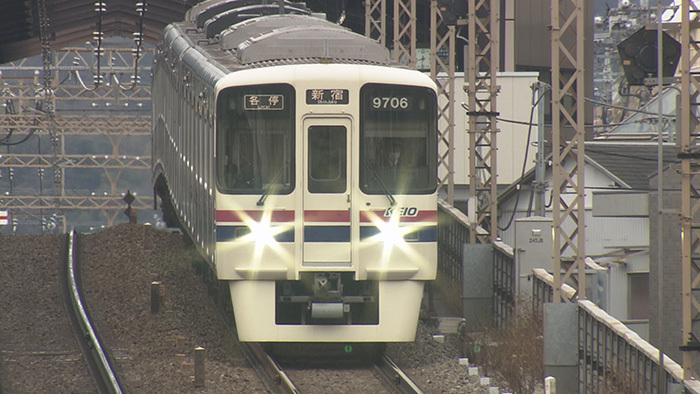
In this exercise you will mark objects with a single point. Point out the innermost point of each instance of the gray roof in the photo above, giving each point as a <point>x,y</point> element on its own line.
<point>632,162</point>
<point>239,34</point>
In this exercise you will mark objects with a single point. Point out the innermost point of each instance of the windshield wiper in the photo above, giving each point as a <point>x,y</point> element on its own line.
<point>386,191</point>
<point>270,185</point>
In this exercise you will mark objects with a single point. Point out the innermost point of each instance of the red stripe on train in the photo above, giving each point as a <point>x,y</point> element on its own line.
<point>244,216</point>
<point>327,216</point>
<point>322,216</point>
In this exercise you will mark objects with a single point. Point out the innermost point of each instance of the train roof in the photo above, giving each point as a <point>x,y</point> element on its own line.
<point>241,34</point>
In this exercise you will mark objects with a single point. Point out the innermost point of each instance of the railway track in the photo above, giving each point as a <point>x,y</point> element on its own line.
<point>360,373</point>
<point>117,274</point>
<point>322,368</point>
<point>395,376</point>
<point>100,365</point>
<point>46,338</point>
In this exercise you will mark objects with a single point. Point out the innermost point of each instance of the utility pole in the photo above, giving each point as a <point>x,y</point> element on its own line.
<point>482,90</point>
<point>568,188</point>
<point>442,71</point>
<point>690,199</point>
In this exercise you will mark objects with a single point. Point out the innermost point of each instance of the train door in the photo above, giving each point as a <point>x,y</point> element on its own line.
<point>327,193</point>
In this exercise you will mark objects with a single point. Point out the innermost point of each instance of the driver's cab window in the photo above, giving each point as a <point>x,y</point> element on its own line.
<point>255,139</point>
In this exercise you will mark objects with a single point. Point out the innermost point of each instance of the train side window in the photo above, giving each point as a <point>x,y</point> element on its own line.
<point>327,168</point>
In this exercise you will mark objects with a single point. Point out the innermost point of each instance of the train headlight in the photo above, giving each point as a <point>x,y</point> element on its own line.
<point>392,234</point>
<point>263,232</point>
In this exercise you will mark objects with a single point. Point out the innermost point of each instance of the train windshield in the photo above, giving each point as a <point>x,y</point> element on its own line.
<point>398,132</point>
<point>255,139</point>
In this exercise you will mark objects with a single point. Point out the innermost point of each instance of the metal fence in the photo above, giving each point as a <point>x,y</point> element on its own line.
<point>543,289</point>
<point>504,278</point>
<point>613,358</point>
<point>453,233</point>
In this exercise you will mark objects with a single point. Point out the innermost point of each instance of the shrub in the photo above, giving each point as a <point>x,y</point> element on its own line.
<point>514,353</point>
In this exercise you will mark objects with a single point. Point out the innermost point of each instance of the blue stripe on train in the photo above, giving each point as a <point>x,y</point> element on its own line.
<point>327,233</point>
<point>232,233</point>
<point>424,234</point>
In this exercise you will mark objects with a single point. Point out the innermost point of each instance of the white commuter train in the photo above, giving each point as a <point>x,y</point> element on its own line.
<point>301,161</point>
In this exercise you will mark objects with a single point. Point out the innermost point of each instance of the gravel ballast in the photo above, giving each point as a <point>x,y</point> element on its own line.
<point>154,352</point>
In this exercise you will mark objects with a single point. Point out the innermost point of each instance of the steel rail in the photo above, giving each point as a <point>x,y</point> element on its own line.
<point>96,357</point>
<point>395,376</point>
<point>269,372</point>
<point>268,369</point>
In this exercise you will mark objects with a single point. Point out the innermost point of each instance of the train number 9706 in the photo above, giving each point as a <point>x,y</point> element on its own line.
<point>390,102</point>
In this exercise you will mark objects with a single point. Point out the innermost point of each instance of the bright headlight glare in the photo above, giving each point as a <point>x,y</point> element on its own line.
<point>263,233</point>
<point>391,233</point>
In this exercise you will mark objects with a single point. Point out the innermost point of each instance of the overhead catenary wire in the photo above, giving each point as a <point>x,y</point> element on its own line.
<point>527,150</point>
<point>100,8</point>
<point>141,8</point>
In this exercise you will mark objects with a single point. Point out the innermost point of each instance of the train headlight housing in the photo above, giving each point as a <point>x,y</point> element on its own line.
<point>392,234</point>
<point>263,232</point>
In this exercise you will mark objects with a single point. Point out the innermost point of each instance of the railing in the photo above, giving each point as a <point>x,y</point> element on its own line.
<point>504,278</point>
<point>611,356</point>
<point>543,289</point>
<point>453,233</point>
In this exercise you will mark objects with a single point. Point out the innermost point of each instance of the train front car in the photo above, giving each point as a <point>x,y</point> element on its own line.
<point>326,206</point>
<point>302,162</point>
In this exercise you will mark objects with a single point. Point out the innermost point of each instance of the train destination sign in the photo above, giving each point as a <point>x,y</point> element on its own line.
<point>327,96</point>
<point>268,102</point>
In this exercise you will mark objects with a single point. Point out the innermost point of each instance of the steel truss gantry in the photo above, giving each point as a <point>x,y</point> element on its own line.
<point>568,189</point>
<point>375,20</point>
<point>404,27</point>
<point>405,32</point>
<point>114,109</point>
<point>481,88</point>
<point>690,195</point>
<point>442,71</point>
<point>482,91</point>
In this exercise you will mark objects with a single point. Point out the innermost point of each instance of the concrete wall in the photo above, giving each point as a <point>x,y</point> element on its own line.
<point>514,103</point>
<point>670,320</point>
